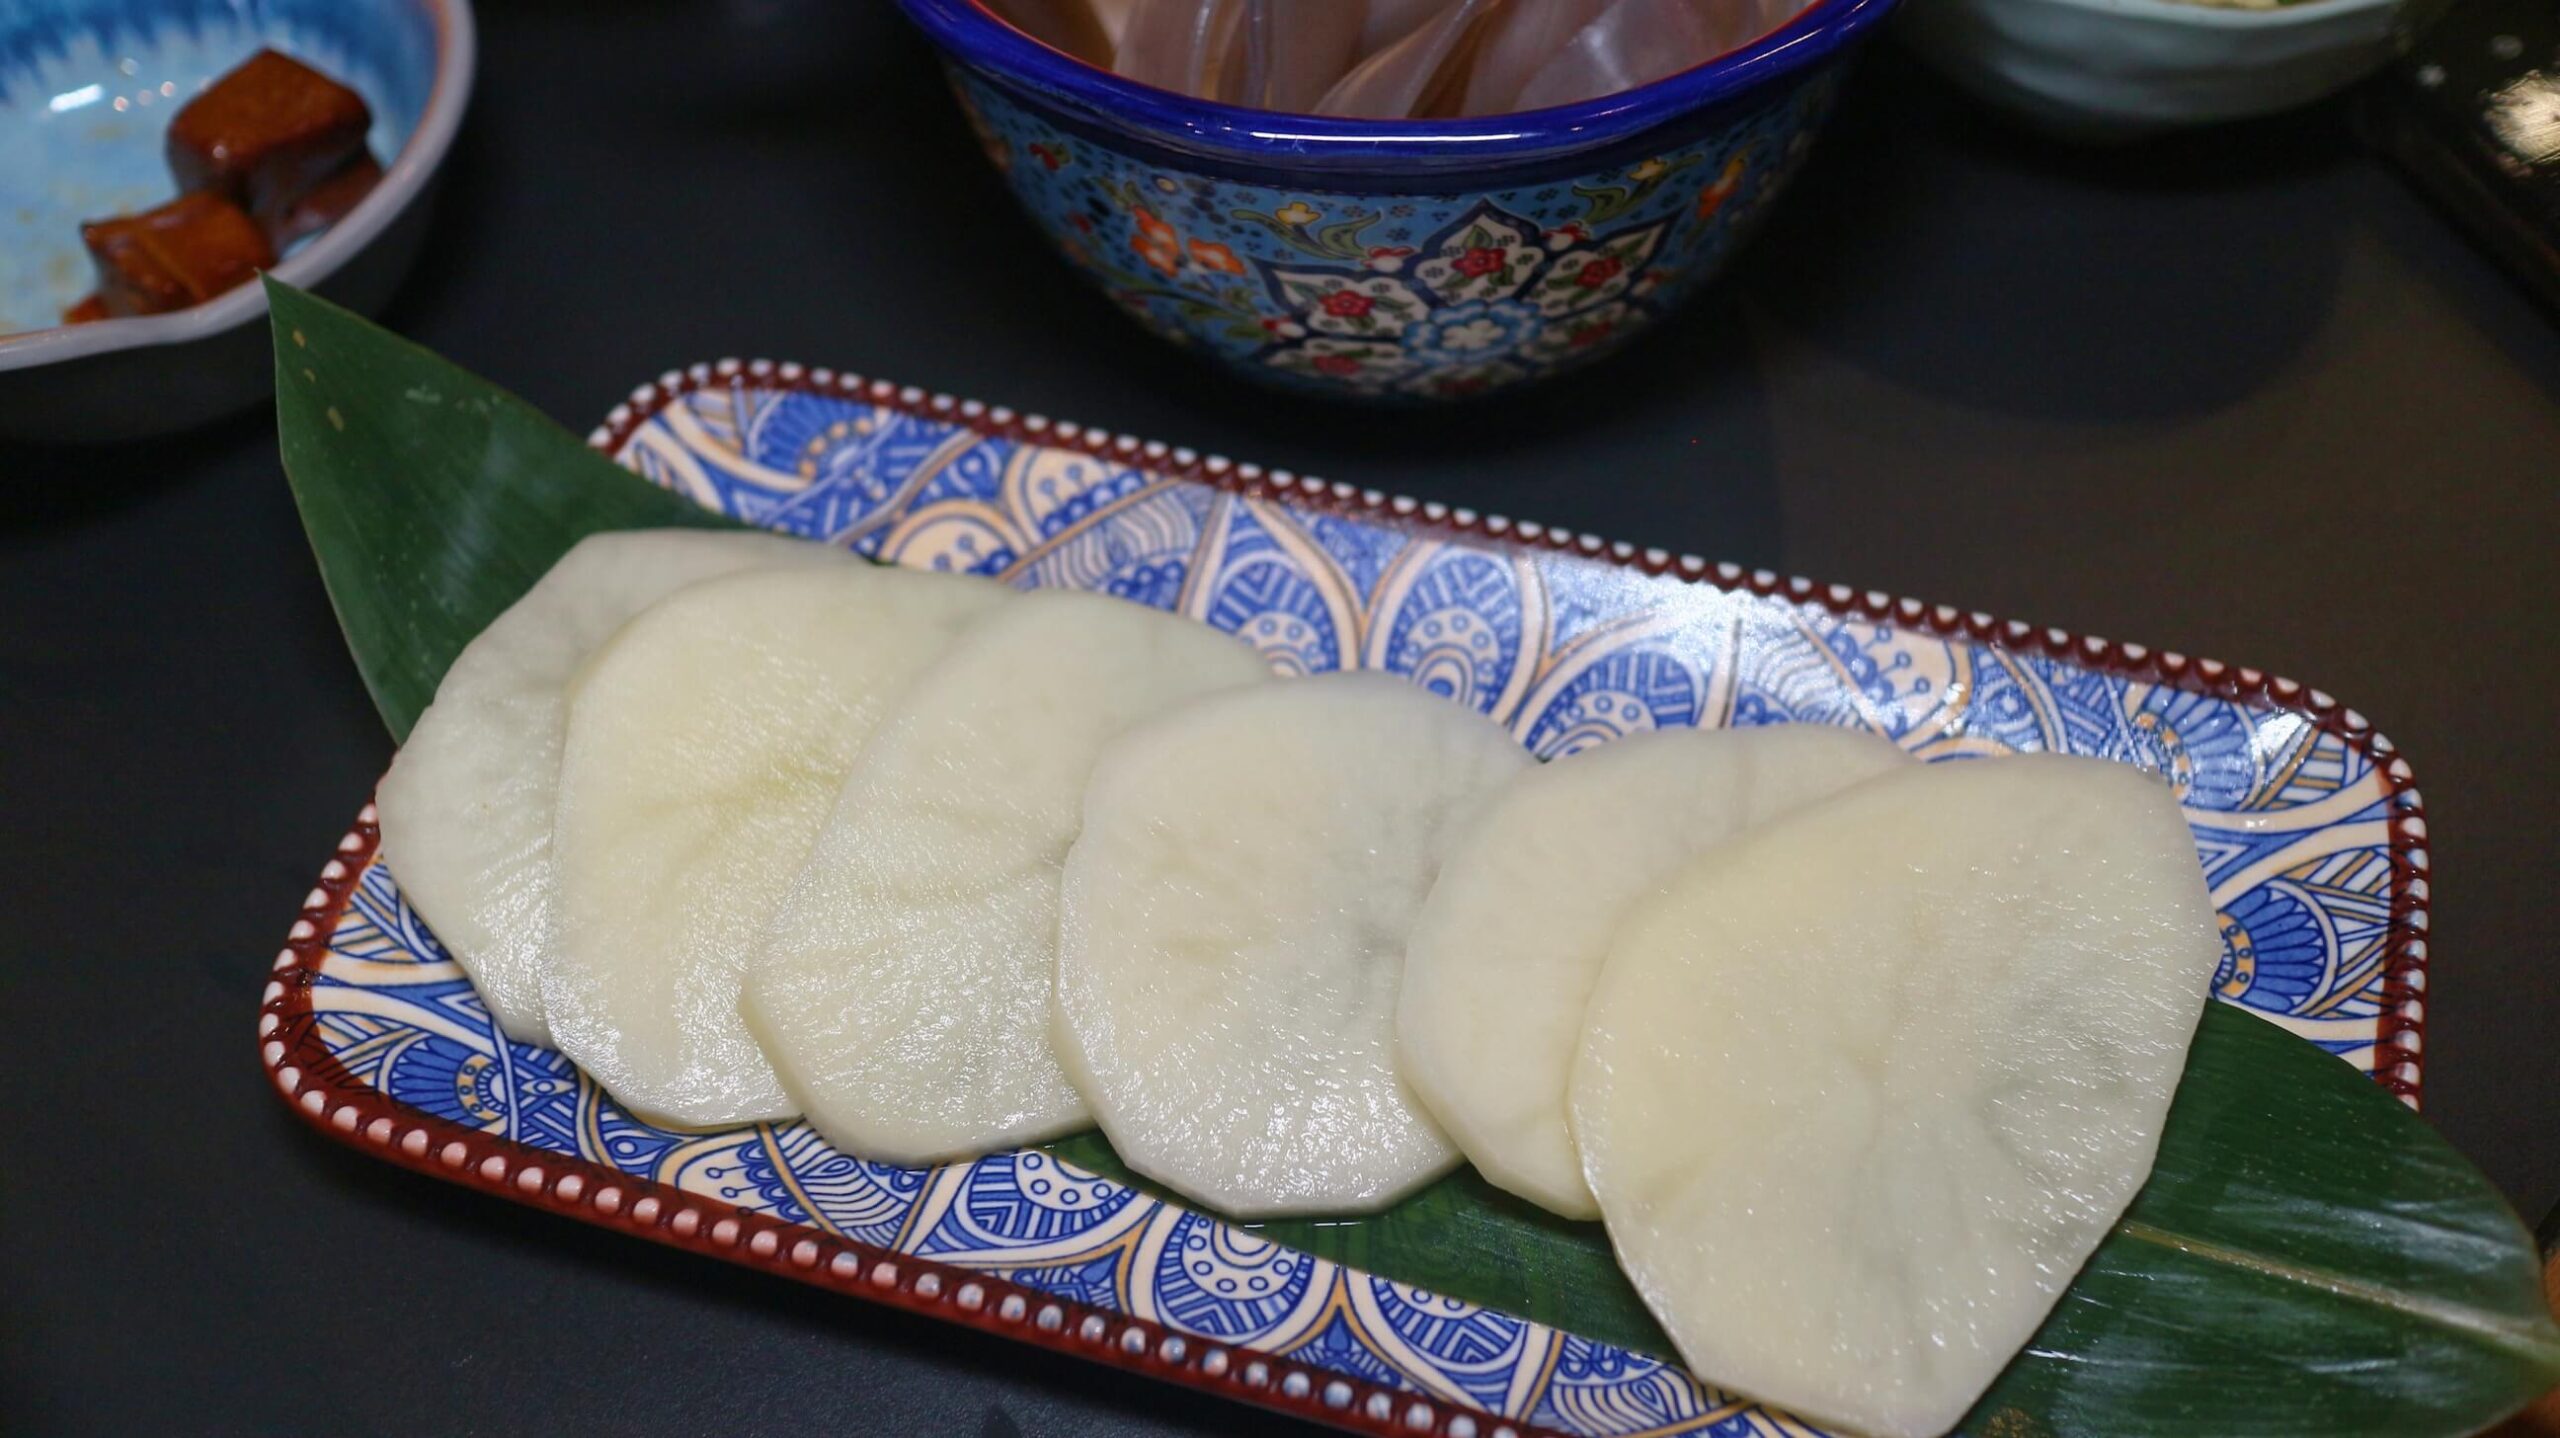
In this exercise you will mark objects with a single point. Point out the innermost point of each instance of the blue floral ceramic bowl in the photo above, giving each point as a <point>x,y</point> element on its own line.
<point>87,88</point>
<point>1428,259</point>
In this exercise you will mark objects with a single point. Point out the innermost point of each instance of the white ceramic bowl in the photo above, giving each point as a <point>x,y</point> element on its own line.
<point>2110,68</point>
<point>70,60</point>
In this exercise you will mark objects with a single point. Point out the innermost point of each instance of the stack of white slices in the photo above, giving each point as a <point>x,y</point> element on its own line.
<point>1857,1058</point>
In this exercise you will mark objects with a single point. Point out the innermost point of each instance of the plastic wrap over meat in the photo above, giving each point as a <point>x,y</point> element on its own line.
<point>1387,59</point>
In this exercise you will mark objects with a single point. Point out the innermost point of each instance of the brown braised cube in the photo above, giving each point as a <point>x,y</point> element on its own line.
<point>183,253</point>
<point>328,203</point>
<point>266,133</point>
<point>90,310</point>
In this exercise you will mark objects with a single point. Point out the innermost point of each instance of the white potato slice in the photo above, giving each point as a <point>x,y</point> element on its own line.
<point>1511,940</point>
<point>903,992</point>
<point>1232,929</point>
<point>1860,1093</point>
<point>466,809</point>
<point>706,744</point>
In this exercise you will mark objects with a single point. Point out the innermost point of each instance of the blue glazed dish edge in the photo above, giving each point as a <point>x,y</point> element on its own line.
<point>1355,155</point>
<point>1396,261</point>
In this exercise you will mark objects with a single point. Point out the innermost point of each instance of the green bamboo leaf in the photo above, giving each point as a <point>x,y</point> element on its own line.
<point>2309,1258</point>
<point>432,498</point>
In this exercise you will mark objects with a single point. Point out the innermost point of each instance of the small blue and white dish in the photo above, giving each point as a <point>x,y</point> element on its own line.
<point>1397,259</point>
<point>87,88</point>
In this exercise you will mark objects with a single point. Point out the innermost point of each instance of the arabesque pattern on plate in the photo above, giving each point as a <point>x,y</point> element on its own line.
<point>2290,823</point>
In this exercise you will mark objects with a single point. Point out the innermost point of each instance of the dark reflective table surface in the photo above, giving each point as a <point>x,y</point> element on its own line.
<point>2240,394</point>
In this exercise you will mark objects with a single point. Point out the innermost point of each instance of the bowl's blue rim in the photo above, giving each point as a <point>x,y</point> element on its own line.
<point>974,36</point>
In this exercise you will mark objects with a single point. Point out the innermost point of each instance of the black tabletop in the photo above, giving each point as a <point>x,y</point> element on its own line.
<point>2239,394</point>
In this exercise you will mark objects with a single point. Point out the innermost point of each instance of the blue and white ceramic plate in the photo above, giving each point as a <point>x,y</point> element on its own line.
<point>2307,825</point>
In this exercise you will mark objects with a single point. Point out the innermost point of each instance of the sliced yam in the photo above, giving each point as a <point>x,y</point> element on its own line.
<point>1232,929</point>
<point>1863,1089</point>
<point>1506,951</point>
<point>466,809</point>
<point>706,743</point>
<point>903,992</point>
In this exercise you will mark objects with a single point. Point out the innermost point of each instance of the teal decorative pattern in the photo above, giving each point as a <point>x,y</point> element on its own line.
<point>2307,832</point>
<point>1439,295</point>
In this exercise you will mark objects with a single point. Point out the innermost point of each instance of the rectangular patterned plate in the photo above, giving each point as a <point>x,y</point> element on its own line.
<point>2307,824</point>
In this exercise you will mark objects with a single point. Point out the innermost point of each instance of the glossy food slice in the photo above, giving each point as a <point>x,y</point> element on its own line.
<point>903,992</point>
<point>266,132</point>
<point>1864,1088</point>
<point>706,743</point>
<point>1232,931</point>
<point>466,809</point>
<point>324,204</point>
<point>1511,941</point>
<point>174,255</point>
